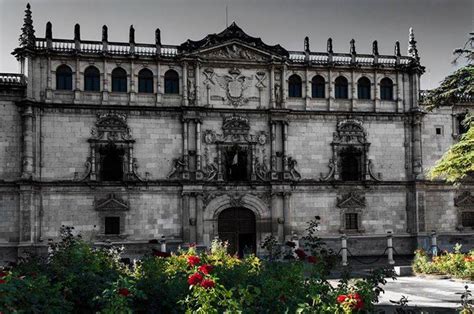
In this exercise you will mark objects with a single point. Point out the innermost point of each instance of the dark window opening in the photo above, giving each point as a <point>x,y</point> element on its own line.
<point>438,131</point>
<point>171,82</point>
<point>119,80</point>
<point>112,164</point>
<point>237,226</point>
<point>294,86</point>
<point>467,219</point>
<point>386,89</point>
<point>236,164</point>
<point>363,88</point>
<point>341,88</point>
<point>63,78</point>
<point>145,81</point>
<point>92,79</point>
<point>318,87</point>
<point>352,221</point>
<point>462,128</point>
<point>351,164</point>
<point>112,225</point>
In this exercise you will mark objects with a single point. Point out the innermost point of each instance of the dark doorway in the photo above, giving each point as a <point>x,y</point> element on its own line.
<point>351,162</point>
<point>236,158</point>
<point>237,226</point>
<point>111,163</point>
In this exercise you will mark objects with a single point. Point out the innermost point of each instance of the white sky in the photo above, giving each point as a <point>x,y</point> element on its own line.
<point>439,25</point>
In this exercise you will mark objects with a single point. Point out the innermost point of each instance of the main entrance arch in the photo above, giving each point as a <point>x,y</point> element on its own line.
<point>237,225</point>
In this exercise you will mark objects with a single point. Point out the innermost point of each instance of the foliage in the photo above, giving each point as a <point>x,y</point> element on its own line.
<point>458,161</point>
<point>454,264</point>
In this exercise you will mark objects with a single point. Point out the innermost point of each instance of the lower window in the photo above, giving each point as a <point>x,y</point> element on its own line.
<point>467,219</point>
<point>112,225</point>
<point>352,221</point>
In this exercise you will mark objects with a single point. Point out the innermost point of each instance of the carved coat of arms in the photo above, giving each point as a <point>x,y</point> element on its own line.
<point>235,84</point>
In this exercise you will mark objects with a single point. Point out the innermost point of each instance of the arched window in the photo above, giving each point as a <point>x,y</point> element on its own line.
<point>363,88</point>
<point>386,89</point>
<point>171,82</point>
<point>294,86</point>
<point>341,88</point>
<point>145,81</point>
<point>318,87</point>
<point>351,164</point>
<point>119,80</point>
<point>92,79</point>
<point>63,78</point>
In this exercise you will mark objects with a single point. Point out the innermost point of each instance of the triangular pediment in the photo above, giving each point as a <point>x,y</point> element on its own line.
<point>233,37</point>
<point>466,199</point>
<point>233,51</point>
<point>351,200</point>
<point>111,203</point>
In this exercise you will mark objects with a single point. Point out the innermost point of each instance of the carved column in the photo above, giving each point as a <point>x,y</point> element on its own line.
<point>158,83</point>
<point>186,216</point>
<point>185,84</point>
<point>199,175</point>
<point>376,93</point>
<point>132,82</point>
<point>417,159</point>
<point>253,154</point>
<point>186,148</point>
<point>330,95</point>
<point>286,174</point>
<point>286,215</point>
<point>307,88</point>
<point>398,94</point>
<point>197,96</point>
<point>77,82</point>
<point>273,160</point>
<point>272,86</point>
<point>220,176</point>
<point>27,149</point>
<point>353,90</point>
<point>105,82</point>
<point>284,87</point>
<point>199,219</point>
<point>193,221</point>
<point>93,175</point>
<point>130,162</point>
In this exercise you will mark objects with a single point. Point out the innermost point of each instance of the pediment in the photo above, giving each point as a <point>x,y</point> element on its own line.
<point>351,200</point>
<point>232,41</point>
<point>466,199</point>
<point>234,51</point>
<point>111,203</point>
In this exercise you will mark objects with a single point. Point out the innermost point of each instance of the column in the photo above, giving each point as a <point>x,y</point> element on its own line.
<point>197,83</point>
<point>286,174</point>
<point>26,214</point>
<point>353,90</point>
<point>77,82</point>
<point>49,80</point>
<point>398,94</point>
<point>273,160</point>
<point>105,83</point>
<point>158,83</point>
<point>93,175</point>
<point>330,95</point>
<point>130,162</point>
<point>199,175</point>
<point>417,161</point>
<point>286,215</point>
<point>132,81</point>
<point>27,149</point>
<point>186,216</point>
<point>199,219</point>
<point>220,176</point>
<point>307,88</point>
<point>185,84</point>
<point>376,93</point>
<point>192,221</point>
<point>272,86</point>
<point>186,148</point>
<point>284,87</point>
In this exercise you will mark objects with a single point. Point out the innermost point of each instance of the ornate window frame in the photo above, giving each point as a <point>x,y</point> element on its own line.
<point>351,203</point>
<point>464,203</point>
<point>350,133</point>
<point>111,206</point>
<point>111,129</point>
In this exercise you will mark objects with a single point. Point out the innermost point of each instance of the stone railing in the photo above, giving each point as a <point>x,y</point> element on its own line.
<point>345,58</point>
<point>12,79</point>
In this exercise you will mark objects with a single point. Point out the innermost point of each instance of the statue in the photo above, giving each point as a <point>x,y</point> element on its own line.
<point>292,163</point>
<point>329,45</point>
<point>105,35</point>
<point>178,166</point>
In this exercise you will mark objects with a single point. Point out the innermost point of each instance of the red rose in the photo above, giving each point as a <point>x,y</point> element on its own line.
<point>124,292</point>
<point>301,254</point>
<point>208,283</point>
<point>312,259</point>
<point>2,281</point>
<point>341,298</point>
<point>193,260</point>
<point>205,269</point>
<point>192,244</point>
<point>469,259</point>
<point>194,279</point>
<point>359,304</point>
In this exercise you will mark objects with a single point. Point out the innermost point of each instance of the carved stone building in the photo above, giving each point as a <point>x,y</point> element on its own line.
<point>224,136</point>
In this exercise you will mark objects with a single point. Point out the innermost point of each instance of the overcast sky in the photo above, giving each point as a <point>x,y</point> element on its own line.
<point>439,25</point>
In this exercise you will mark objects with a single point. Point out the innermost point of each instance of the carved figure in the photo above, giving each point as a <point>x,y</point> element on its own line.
<point>178,166</point>
<point>235,84</point>
<point>292,163</point>
<point>211,170</point>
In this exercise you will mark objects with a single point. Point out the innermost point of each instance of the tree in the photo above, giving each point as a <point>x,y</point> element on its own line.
<point>458,162</point>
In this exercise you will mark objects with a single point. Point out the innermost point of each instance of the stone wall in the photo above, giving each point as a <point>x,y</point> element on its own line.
<point>10,141</point>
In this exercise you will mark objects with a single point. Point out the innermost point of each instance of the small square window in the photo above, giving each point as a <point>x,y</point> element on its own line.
<point>112,225</point>
<point>352,221</point>
<point>438,131</point>
<point>467,219</point>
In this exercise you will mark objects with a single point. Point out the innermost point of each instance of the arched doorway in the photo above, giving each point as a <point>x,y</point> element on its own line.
<point>237,226</point>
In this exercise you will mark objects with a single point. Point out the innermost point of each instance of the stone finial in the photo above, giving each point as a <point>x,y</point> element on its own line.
<point>158,37</point>
<point>49,31</point>
<point>375,48</point>
<point>27,36</point>
<point>329,45</point>
<point>353,48</point>
<point>77,32</point>
<point>412,51</point>
<point>105,33</point>
<point>397,49</point>
<point>306,44</point>
<point>132,35</point>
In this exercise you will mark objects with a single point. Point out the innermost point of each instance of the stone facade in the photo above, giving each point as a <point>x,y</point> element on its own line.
<point>231,129</point>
